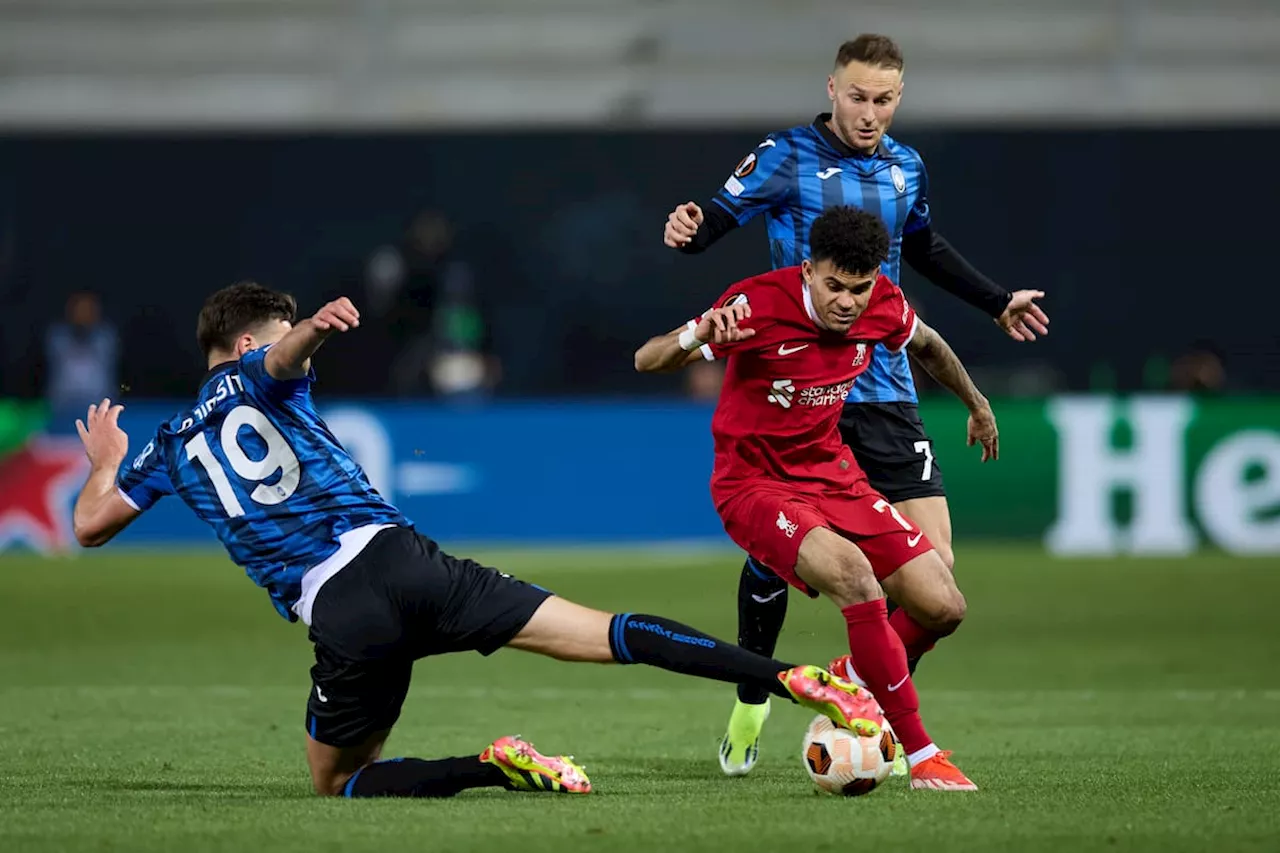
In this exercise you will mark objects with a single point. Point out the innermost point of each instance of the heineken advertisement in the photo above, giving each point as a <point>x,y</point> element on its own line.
<point>1138,475</point>
<point>1082,474</point>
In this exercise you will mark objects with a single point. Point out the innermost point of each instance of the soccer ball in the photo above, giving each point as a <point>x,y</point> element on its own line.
<point>841,762</point>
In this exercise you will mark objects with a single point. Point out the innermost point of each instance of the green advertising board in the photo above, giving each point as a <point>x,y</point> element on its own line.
<point>1086,474</point>
<point>1100,475</point>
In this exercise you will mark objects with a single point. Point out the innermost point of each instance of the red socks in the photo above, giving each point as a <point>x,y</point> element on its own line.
<point>916,639</point>
<point>879,657</point>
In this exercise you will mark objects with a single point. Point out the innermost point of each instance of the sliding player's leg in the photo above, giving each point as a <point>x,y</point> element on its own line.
<point>367,626</point>
<point>508,762</point>
<point>571,632</point>
<point>349,716</point>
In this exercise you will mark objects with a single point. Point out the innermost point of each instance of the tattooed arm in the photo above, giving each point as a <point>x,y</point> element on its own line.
<point>934,354</point>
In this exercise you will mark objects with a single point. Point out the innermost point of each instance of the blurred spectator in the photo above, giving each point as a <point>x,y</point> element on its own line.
<point>1201,369</point>
<point>702,380</point>
<point>81,361</point>
<point>426,301</point>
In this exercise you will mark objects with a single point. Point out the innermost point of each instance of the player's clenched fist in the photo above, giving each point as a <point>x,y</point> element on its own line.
<point>721,325</point>
<point>339,315</point>
<point>682,224</point>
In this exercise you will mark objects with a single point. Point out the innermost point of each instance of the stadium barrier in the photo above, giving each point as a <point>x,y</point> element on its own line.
<point>1083,474</point>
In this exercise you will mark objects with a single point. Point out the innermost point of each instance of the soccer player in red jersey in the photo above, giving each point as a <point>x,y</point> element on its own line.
<point>788,488</point>
<point>844,157</point>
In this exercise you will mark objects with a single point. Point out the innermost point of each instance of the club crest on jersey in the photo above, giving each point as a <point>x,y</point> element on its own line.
<point>786,525</point>
<point>860,355</point>
<point>746,167</point>
<point>899,179</point>
<point>734,299</point>
<point>783,392</point>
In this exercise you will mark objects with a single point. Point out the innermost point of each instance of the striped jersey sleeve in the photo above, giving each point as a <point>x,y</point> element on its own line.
<point>145,480</point>
<point>764,179</point>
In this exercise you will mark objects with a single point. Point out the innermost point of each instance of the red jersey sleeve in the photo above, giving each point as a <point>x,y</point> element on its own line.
<point>899,323</point>
<point>752,293</point>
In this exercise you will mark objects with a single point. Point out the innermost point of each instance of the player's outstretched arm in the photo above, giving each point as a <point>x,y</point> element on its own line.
<point>681,346</point>
<point>928,253</point>
<point>936,356</point>
<point>290,357</point>
<point>100,512</point>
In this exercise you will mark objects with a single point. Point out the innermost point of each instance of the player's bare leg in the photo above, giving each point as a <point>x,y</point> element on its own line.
<point>571,632</point>
<point>355,771</point>
<point>931,607</point>
<point>927,592</point>
<point>333,766</point>
<point>933,516</point>
<point>940,612</point>
<point>838,569</point>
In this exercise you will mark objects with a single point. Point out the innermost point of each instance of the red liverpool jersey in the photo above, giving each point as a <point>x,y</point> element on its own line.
<point>784,387</point>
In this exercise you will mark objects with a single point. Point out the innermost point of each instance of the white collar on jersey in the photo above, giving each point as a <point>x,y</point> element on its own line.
<point>808,306</point>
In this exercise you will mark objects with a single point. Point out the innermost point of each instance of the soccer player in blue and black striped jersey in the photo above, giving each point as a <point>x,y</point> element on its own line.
<point>845,157</point>
<point>253,458</point>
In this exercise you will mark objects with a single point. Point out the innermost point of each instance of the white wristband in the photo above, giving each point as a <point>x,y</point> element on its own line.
<point>688,342</point>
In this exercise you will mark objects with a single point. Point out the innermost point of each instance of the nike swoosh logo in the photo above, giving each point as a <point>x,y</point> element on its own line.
<point>768,143</point>
<point>765,599</point>
<point>320,695</point>
<point>912,540</point>
<point>895,687</point>
<point>783,350</point>
<point>826,173</point>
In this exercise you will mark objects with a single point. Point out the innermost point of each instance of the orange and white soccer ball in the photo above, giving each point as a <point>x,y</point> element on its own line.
<point>841,762</point>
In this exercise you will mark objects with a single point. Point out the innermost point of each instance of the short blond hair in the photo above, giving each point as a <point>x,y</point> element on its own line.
<point>870,49</point>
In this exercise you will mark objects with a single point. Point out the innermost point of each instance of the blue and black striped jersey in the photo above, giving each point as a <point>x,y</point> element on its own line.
<point>795,174</point>
<point>254,460</point>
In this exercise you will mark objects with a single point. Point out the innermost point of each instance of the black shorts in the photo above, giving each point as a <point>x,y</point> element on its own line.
<point>401,599</point>
<point>889,442</point>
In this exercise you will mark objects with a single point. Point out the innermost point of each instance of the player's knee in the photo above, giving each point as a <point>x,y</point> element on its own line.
<point>329,784</point>
<point>946,614</point>
<point>953,614</point>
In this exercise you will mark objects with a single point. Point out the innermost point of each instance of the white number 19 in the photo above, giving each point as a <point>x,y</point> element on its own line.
<point>279,457</point>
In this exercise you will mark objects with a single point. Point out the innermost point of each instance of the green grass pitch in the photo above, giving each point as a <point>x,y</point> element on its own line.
<point>154,701</point>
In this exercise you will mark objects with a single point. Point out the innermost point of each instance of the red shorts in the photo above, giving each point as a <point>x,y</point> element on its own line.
<point>770,520</point>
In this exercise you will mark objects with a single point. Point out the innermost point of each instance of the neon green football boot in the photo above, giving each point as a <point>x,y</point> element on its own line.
<point>740,746</point>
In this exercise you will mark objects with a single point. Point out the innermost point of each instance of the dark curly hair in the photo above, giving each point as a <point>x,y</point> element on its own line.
<point>852,239</point>
<point>237,309</point>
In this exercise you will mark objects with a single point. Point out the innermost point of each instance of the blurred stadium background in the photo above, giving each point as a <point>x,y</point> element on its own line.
<point>488,181</point>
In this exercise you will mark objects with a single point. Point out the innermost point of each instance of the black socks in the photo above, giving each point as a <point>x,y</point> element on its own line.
<point>653,640</point>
